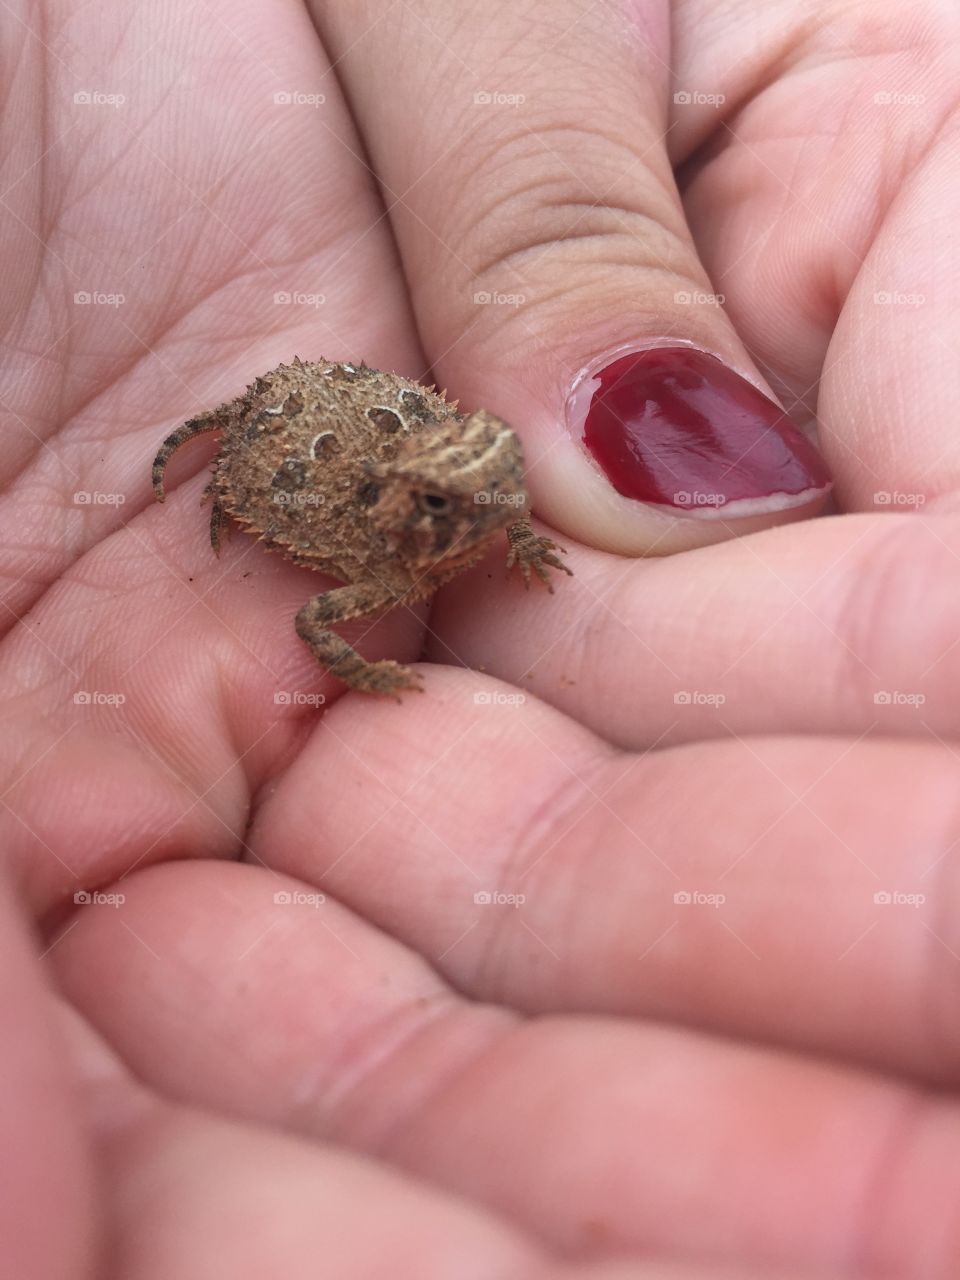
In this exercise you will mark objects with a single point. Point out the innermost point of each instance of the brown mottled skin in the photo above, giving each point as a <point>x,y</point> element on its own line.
<point>369,477</point>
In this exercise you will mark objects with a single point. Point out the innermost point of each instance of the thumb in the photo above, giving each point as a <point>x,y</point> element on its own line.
<point>553,276</point>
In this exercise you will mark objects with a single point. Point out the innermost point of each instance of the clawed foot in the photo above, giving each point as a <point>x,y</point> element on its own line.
<point>530,551</point>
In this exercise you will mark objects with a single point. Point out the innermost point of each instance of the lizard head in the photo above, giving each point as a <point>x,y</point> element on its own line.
<point>448,491</point>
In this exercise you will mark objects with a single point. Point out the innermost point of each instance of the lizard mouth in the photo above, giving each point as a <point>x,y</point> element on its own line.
<point>461,555</point>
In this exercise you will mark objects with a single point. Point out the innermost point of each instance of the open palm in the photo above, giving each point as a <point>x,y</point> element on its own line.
<point>639,944</point>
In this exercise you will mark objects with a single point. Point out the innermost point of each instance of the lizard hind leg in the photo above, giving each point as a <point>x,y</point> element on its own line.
<point>194,427</point>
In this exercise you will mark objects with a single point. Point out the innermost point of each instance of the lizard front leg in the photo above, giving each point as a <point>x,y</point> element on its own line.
<point>219,520</point>
<point>341,605</point>
<point>530,551</point>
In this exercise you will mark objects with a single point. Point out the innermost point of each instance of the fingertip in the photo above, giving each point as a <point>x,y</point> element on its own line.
<point>662,448</point>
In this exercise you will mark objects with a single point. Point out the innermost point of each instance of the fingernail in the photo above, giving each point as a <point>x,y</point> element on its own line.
<point>676,427</point>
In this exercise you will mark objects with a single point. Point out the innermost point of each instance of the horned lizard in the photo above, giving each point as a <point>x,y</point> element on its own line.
<point>372,478</point>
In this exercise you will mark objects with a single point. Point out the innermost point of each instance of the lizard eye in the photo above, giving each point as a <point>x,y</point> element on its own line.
<point>433,504</point>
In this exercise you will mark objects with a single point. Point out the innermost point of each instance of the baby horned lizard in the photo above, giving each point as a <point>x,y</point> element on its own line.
<point>369,477</point>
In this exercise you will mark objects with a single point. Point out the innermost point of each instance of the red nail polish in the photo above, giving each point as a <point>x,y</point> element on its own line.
<point>677,427</point>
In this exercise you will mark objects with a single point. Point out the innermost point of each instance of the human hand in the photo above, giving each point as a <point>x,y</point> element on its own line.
<point>620,1133</point>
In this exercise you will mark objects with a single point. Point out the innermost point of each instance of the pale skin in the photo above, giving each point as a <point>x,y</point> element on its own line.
<point>760,1087</point>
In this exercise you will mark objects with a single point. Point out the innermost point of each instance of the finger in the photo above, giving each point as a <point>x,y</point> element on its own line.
<point>183,1187</point>
<point>552,271</point>
<point>48,1216</point>
<point>839,626</point>
<point>615,1137</point>
<point>837,286</point>
<point>709,879</point>
<point>889,397</point>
